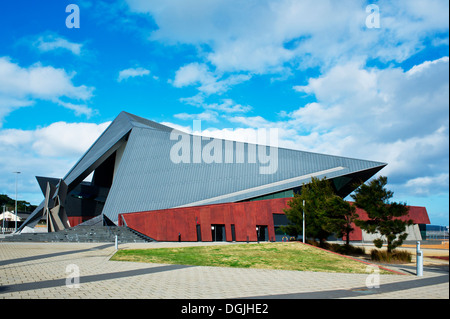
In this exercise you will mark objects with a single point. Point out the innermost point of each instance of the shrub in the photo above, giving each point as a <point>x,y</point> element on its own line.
<point>337,248</point>
<point>396,256</point>
<point>378,242</point>
<point>312,242</point>
<point>322,244</point>
<point>347,249</point>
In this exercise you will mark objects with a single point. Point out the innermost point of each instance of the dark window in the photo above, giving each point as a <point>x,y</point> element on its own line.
<point>218,232</point>
<point>261,233</point>
<point>233,233</point>
<point>199,233</point>
<point>280,219</point>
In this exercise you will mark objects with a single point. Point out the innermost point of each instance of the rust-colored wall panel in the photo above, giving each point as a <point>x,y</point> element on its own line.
<point>166,224</point>
<point>75,220</point>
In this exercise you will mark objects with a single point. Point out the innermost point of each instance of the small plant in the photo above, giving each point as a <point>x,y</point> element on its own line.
<point>337,248</point>
<point>347,249</point>
<point>378,242</point>
<point>315,243</point>
<point>396,256</point>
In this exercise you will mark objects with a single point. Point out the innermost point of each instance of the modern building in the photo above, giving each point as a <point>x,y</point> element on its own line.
<point>192,187</point>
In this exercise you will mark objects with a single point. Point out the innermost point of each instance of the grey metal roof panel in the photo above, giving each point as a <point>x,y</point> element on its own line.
<point>138,121</point>
<point>147,179</point>
<point>104,146</point>
<point>93,157</point>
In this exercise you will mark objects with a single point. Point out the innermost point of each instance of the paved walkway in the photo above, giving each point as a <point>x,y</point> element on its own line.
<point>46,270</point>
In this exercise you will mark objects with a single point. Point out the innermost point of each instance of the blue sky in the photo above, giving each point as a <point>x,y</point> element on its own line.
<point>321,72</point>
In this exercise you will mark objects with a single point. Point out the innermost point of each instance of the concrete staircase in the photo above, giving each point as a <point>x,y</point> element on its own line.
<point>83,234</point>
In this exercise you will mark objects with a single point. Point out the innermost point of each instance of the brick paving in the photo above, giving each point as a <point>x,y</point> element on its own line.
<point>46,270</point>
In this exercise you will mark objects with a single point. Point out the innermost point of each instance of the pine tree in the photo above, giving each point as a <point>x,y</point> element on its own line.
<point>340,217</point>
<point>315,194</point>
<point>383,214</point>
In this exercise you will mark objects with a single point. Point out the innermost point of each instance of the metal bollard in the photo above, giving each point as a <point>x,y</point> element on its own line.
<point>116,243</point>
<point>419,260</point>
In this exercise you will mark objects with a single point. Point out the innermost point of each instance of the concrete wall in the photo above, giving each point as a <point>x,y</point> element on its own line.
<point>413,234</point>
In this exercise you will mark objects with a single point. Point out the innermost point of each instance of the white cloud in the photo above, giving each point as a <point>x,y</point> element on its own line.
<point>246,135</point>
<point>242,36</point>
<point>46,151</point>
<point>52,42</point>
<point>15,138</point>
<point>207,82</point>
<point>193,73</point>
<point>254,121</point>
<point>391,115</point>
<point>268,36</point>
<point>229,106</point>
<point>186,129</point>
<point>417,69</point>
<point>9,104</point>
<point>63,139</point>
<point>225,105</point>
<point>209,116</point>
<point>132,72</point>
<point>390,103</point>
<point>59,139</point>
<point>21,86</point>
<point>421,186</point>
<point>79,109</point>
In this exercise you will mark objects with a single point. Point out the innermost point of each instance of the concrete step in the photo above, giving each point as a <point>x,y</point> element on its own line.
<point>83,234</point>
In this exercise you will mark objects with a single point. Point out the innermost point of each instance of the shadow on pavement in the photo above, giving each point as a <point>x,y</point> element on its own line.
<point>86,279</point>
<point>356,292</point>
<point>31,258</point>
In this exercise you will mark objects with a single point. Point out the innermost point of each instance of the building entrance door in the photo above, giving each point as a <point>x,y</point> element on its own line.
<point>218,232</point>
<point>261,233</point>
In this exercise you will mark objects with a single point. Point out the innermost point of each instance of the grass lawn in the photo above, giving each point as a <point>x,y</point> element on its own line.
<point>285,256</point>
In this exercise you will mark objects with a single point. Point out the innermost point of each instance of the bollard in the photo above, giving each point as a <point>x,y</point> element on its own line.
<point>116,243</point>
<point>419,260</point>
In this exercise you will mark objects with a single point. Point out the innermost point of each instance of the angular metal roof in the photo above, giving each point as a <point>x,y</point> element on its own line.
<point>103,147</point>
<point>146,178</point>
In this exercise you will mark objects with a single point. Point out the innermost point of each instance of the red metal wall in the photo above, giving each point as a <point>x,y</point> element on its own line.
<point>417,214</point>
<point>167,224</point>
<point>76,220</point>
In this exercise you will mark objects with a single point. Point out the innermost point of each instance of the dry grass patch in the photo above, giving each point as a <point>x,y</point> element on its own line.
<point>284,256</point>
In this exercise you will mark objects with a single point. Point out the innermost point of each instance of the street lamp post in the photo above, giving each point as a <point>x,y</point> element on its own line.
<point>15,224</point>
<point>303,221</point>
<point>3,219</point>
